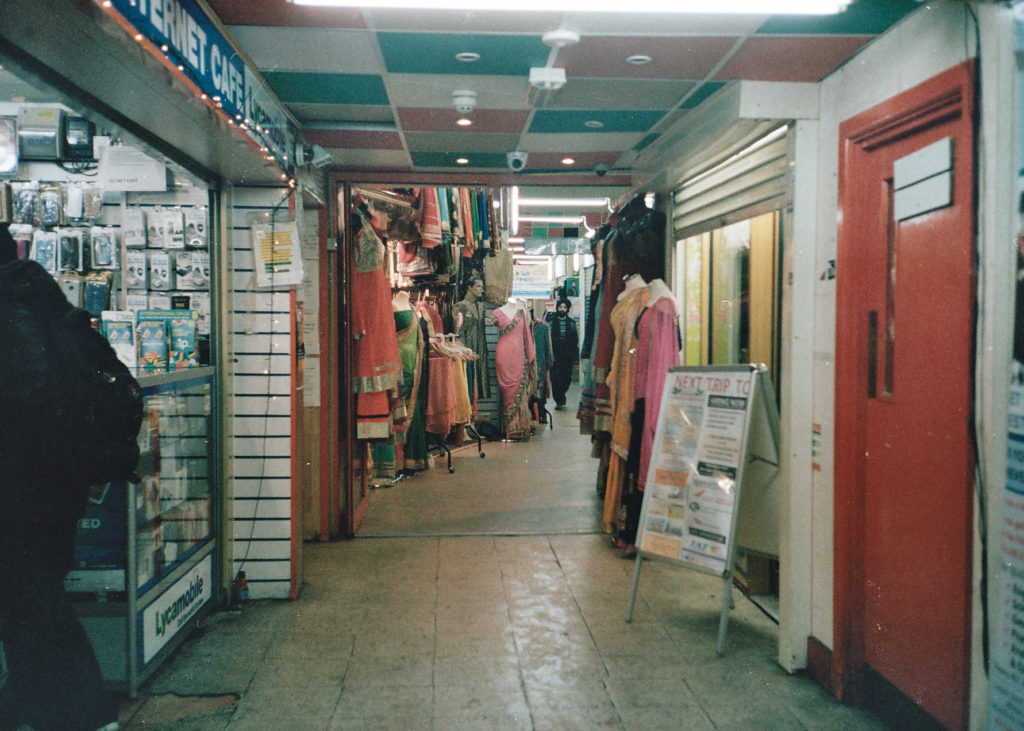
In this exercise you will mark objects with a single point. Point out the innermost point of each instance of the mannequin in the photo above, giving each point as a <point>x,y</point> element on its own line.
<point>470,325</point>
<point>509,309</point>
<point>658,289</point>
<point>633,281</point>
<point>516,365</point>
<point>400,301</point>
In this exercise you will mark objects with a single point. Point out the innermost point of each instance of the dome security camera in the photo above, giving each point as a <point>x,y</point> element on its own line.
<point>516,160</point>
<point>601,169</point>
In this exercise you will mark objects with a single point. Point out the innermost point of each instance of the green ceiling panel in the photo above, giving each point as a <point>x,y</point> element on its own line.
<point>447,159</point>
<point>311,87</point>
<point>703,92</point>
<point>573,121</point>
<point>433,53</point>
<point>646,141</point>
<point>860,17</point>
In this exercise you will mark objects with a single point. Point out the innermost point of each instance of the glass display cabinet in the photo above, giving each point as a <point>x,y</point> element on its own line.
<point>144,558</point>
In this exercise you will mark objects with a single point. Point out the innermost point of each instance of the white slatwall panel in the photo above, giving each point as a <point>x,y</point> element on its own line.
<point>262,405</point>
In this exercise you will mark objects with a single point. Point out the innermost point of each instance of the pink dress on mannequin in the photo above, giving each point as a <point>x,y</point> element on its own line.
<point>516,363</point>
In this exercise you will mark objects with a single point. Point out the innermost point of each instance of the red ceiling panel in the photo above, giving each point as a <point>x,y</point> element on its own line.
<point>421,119</point>
<point>672,58</point>
<point>282,12</point>
<point>790,59</point>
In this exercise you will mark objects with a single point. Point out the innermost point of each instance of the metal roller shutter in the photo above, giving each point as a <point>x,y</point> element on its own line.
<point>751,182</point>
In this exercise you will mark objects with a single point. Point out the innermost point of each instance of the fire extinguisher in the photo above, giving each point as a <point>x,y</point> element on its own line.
<point>241,587</point>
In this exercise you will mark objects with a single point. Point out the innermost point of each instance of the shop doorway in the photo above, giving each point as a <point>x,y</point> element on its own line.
<point>904,462</point>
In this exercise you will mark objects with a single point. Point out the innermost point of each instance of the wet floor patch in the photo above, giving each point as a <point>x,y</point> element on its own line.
<point>168,708</point>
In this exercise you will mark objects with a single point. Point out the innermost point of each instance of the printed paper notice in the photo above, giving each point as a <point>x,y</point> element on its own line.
<point>690,496</point>
<point>277,255</point>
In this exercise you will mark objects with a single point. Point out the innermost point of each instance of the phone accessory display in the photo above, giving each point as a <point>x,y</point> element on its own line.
<point>172,227</point>
<point>136,301</point>
<point>159,301</point>
<point>103,251</point>
<point>183,352</point>
<point>136,269</point>
<point>119,328</point>
<point>195,228</point>
<point>22,236</point>
<point>153,346</point>
<point>70,250</point>
<point>71,284</point>
<point>74,203</point>
<point>26,196</point>
<point>44,249</point>
<point>8,145</point>
<point>50,205</point>
<point>161,273</point>
<point>97,292</point>
<point>192,269</point>
<point>133,228</point>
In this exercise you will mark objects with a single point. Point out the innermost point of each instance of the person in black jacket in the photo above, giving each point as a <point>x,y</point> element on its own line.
<point>565,347</point>
<point>53,679</point>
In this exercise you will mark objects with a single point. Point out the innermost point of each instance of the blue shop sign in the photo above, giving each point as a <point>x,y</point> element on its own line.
<point>193,43</point>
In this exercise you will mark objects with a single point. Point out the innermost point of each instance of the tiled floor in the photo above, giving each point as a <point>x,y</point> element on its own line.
<point>495,626</point>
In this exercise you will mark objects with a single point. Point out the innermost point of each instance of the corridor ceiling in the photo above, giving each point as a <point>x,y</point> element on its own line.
<point>375,87</point>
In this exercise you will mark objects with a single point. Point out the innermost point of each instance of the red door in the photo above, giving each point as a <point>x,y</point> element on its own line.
<point>904,462</point>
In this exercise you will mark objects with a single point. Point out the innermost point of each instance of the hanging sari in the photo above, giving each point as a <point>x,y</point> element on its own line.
<point>516,364</point>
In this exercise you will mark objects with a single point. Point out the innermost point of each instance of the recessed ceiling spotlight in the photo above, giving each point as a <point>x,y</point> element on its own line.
<point>639,59</point>
<point>467,57</point>
<point>464,121</point>
<point>462,161</point>
<point>568,161</point>
<point>594,124</point>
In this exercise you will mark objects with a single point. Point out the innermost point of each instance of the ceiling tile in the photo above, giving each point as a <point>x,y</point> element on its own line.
<point>576,143</point>
<point>789,59</point>
<point>375,159</point>
<point>282,12</point>
<point>661,24</point>
<point>672,58</point>
<point>620,94</point>
<point>311,113</point>
<point>443,120</point>
<point>354,138</point>
<point>584,160</point>
<point>310,49</point>
<point>432,159</point>
<point>434,53</point>
<point>488,142</point>
<point>304,87</point>
<point>426,90</point>
<point>703,92</point>
<point>463,21</point>
<point>613,120</point>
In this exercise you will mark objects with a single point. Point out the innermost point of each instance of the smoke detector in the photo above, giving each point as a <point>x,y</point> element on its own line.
<point>560,38</point>
<point>464,100</point>
<point>547,78</point>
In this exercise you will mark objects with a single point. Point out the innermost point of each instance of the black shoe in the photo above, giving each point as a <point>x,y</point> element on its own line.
<point>559,407</point>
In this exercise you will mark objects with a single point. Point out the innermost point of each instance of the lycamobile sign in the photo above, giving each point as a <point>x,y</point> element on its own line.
<point>172,610</point>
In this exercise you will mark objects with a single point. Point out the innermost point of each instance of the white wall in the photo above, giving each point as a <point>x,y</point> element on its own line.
<point>260,357</point>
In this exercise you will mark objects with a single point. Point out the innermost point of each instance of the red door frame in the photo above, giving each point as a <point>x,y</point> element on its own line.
<point>946,96</point>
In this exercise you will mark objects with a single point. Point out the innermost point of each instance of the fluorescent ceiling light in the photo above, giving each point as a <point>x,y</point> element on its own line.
<point>752,7</point>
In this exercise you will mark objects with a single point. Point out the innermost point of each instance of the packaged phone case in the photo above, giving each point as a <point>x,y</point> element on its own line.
<point>133,228</point>
<point>136,269</point>
<point>70,250</point>
<point>71,284</point>
<point>195,228</point>
<point>44,249</point>
<point>103,249</point>
<point>161,273</point>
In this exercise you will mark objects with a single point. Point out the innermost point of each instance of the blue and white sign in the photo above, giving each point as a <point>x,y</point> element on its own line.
<point>172,610</point>
<point>194,43</point>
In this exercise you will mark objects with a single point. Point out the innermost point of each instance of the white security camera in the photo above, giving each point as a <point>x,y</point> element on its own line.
<point>321,157</point>
<point>601,169</point>
<point>516,160</point>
